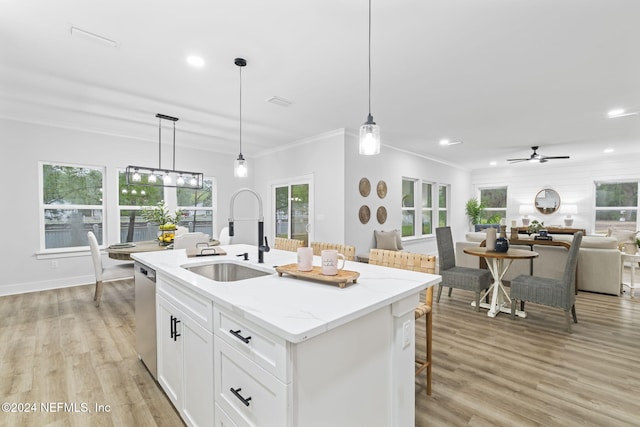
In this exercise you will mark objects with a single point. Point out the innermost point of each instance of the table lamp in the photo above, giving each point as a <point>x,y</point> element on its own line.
<point>569,210</point>
<point>525,210</point>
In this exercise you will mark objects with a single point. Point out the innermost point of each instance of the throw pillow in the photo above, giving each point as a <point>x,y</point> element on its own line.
<point>386,240</point>
<point>622,235</point>
<point>398,239</point>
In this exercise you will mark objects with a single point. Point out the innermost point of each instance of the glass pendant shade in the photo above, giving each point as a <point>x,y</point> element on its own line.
<point>240,170</point>
<point>369,138</point>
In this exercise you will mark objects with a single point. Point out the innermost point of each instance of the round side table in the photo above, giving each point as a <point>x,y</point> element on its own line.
<point>632,259</point>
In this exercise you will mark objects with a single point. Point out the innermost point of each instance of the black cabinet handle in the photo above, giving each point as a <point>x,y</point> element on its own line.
<point>236,393</point>
<point>240,337</point>
<point>174,328</point>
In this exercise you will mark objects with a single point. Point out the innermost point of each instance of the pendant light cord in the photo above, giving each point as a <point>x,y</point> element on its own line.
<point>369,57</point>
<point>240,68</point>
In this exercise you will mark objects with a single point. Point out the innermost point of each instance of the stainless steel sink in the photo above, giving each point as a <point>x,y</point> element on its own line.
<point>227,271</point>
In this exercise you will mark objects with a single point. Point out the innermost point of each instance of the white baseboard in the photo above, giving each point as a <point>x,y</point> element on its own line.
<point>67,282</point>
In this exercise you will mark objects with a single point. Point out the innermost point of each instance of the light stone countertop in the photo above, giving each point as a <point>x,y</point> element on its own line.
<point>291,308</point>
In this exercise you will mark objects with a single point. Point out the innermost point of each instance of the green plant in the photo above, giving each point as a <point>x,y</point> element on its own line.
<point>160,215</point>
<point>535,226</point>
<point>474,210</point>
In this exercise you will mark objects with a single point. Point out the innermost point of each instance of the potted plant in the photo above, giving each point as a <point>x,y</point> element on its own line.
<point>167,223</point>
<point>474,210</point>
<point>535,227</point>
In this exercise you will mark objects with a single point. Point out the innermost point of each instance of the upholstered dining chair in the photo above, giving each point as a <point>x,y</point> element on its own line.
<point>551,292</point>
<point>414,262</point>
<point>470,279</point>
<point>348,251</point>
<point>291,245</point>
<point>224,237</point>
<point>106,274</point>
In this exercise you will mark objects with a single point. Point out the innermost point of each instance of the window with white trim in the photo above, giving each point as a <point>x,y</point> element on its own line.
<point>71,204</point>
<point>432,200</point>
<point>616,206</point>
<point>495,204</point>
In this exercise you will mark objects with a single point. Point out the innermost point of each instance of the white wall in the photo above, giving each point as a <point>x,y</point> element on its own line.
<point>321,158</point>
<point>574,182</point>
<point>25,145</point>
<point>391,165</point>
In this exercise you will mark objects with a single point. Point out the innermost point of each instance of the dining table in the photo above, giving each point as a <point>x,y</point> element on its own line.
<point>498,264</point>
<point>123,251</point>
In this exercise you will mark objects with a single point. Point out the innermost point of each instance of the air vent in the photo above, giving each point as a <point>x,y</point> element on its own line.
<point>276,100</point>
<point>75,31</point>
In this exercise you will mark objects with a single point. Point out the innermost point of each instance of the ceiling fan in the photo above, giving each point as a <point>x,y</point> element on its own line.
<point>535,157</point>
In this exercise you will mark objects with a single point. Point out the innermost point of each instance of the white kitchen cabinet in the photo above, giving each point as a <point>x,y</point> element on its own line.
<point>185,360</point>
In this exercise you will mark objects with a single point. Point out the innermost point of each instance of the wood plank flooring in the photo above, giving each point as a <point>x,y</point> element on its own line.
<point>56,346</point>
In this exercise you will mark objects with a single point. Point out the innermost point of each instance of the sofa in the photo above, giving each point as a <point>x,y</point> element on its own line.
<point>598,261</point>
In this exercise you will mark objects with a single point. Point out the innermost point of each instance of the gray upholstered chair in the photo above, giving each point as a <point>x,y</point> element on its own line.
<point>470,279</point>
<point>552,292</point>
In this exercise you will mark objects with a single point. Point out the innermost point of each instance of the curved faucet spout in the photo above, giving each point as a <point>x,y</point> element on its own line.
<point>262,247</point>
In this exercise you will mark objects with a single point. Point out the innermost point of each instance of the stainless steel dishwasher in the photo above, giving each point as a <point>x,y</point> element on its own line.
<point>145,301</point>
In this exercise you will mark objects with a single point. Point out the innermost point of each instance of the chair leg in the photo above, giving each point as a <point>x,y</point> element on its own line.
<point>98,294</point>
<point>567,315</point>
<point>573,312</point>
<point>450,290</point>
<point>513,308</point>
<point>478,301</point>
<point>439,292</point>
<point>521,305</point>
<point>426,364</point>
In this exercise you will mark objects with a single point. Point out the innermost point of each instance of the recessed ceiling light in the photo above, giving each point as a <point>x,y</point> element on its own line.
<point>447,142</point>
<point>493,163</point>
<point>195,61</point>
<point>608,150</point>
<point>277,100</point>
<point>620,112</point>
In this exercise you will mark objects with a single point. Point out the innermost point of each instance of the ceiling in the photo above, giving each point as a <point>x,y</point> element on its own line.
<point>499,75</point>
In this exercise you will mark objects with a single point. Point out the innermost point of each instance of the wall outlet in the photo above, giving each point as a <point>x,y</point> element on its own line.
<point>54,263</point>
<point>406,333</point>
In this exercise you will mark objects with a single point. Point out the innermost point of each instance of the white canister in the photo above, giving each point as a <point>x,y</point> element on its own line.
<point>305,259</point>
<point>491,239</point>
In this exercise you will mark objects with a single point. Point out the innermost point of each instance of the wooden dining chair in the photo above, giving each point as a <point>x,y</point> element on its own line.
<point>291,245</point>
<point>106,274</point>
<point>413,262</point>
<point>348,251</point>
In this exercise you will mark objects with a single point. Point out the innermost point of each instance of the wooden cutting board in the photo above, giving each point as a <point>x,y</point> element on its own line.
<point>341,279</point>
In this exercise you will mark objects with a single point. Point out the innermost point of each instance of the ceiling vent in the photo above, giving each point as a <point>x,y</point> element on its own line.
<point>75,31</point>
<point>276,100</point>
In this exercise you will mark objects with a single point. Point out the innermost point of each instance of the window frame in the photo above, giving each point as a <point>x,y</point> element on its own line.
<point>42,206</point>
<point>419,210</point>
<point>597,209</point>
<point>492,210</point>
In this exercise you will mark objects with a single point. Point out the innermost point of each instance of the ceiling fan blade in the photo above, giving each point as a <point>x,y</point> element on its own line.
<point>516,160</point>
<point>555,157</point>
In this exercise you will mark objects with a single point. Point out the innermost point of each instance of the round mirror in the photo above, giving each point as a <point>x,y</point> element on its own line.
<point>547,201</point>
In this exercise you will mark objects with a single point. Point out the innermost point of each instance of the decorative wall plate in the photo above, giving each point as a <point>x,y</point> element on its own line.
<point>364,214</point>
<point>381,189</point>
<point>364,187</point>
<point>381,214</point>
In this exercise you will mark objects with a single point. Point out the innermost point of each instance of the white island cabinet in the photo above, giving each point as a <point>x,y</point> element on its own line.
<point>279,351</point>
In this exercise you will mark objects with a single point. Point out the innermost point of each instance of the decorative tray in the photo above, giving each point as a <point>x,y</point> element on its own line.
<point>341,279</point>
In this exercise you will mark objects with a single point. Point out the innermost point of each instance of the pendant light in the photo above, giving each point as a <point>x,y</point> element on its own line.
<point>240,170</point>
<point>161,177</point>
<point>369,132</point>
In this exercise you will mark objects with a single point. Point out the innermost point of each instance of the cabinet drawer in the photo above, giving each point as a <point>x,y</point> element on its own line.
<point>222,419</point>
<point>256,344</point>
<point>196,306</point>
<point>248,394</point>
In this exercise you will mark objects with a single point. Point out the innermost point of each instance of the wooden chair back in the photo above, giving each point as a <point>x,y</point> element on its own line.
<point>406,261</point>
<point>291,245</point>
<point>348,251</point>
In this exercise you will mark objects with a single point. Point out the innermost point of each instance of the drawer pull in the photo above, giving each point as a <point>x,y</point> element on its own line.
<point>236,393</point>
<point>240,337</point>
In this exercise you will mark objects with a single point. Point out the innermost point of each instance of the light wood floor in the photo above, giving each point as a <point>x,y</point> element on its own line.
<point>55,346</point>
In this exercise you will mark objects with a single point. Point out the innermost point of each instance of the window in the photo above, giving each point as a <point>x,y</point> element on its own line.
<point>495,201</point>
<point>417,223</point>
<point>443,204</point>
<point>196,204</point>
<point>292,211</point>
<point>71,204</point>
<point>616,205</point>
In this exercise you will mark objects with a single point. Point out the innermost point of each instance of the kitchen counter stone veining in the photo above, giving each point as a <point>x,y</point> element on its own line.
<point>291,308</point>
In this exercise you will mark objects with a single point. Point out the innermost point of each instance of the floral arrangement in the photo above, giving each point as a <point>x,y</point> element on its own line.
<point>160,215</point>
<point>535,226</point>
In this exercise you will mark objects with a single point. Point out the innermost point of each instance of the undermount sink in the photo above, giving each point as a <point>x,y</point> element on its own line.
<point>227,271</point>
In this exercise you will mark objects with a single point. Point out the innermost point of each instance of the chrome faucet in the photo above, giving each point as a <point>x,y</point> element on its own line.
<point>262,247</point>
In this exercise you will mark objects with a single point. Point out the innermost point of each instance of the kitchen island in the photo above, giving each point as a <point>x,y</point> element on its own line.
<point>280,351</point>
